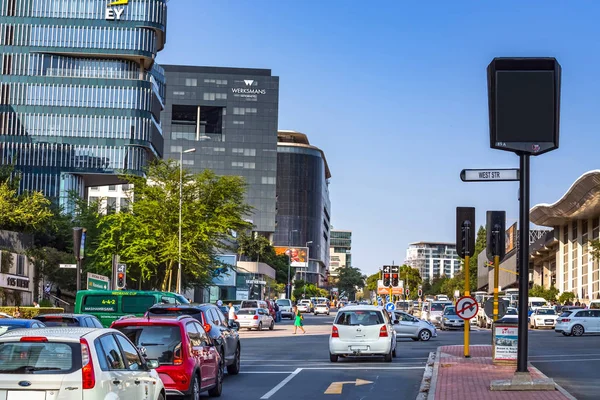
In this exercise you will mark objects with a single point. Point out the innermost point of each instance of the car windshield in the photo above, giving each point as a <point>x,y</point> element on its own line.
<point>566,313</point>
<point>438,306</point>
<point>511,311</point>
<point>283,302</point>
<point>160,341</point>
<point>449,311</point>
<point>250,304</point>
<point>360,317</point>
<point>39,357</point>
<point>246,311</point>
<point>538,303</point>
<point>546,312</point>
<point>52,320</point>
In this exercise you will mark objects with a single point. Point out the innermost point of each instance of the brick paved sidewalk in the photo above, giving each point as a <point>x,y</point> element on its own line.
<point>460,378</point>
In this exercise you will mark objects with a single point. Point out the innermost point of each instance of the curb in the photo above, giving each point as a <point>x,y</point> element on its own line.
<point>427,376</point>
<point>562,390</point>
<point>434,376</point>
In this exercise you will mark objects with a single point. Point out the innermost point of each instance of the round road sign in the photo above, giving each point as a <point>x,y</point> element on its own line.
<point>466,307</point>
<point>390,307</point>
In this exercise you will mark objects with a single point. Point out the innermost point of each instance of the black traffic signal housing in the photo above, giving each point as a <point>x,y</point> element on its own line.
<point>496,234</point>
<point>395,280</point>
<point>465,235</point>
<point>386,280</point>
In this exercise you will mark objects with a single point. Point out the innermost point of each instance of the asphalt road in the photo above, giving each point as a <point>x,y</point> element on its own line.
<point>279,365</point>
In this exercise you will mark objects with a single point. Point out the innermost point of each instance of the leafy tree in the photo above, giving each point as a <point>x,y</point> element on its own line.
<point>436,284</point>
<point>371,282</point>
<point>22,213</point>
<point>146,236</point>
<point>595,249</point>
<point>566,297</point>
<point>349,280</point>
<point>411,277</point>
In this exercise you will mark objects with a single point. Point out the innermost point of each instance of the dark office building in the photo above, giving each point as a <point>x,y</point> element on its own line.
<point>80,94</point>
<point>229,116</point>
<point>303,206</point>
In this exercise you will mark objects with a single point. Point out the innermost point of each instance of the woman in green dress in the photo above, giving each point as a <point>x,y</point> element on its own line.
<point>298,320</point>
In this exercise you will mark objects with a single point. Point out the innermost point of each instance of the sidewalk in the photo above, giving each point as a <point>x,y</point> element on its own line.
<point>455,377</point>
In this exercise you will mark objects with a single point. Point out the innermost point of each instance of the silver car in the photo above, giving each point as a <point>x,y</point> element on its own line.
<point>411,327</point>
<point>451,320</point>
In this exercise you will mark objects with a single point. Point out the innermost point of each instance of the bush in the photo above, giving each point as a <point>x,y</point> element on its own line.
<point>30,312</point>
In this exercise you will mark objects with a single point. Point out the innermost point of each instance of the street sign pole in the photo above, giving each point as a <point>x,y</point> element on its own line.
<point>496,279</point>
<point>523,262</point>
<point>467,294</point>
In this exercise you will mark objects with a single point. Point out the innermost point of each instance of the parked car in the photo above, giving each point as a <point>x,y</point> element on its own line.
<point>7,325</point>
<point>578,322</point>
<point>322,308</point>
<point>543,317</point>
<point>255,318</point>
<point>82,320</point>
<point>285,307</point>
<point>451,320</point>
<point>362,331</point>
<point>259,304</point>
<point>188,359</point>
<point>414,328</point>
<point>75,363</point>
<point>225,337</point>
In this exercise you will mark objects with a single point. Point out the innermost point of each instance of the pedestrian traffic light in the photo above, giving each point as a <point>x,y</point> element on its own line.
<point>395,280</point>
<point>465,237</point>
<point>495,232</point>
<point>386,280</point>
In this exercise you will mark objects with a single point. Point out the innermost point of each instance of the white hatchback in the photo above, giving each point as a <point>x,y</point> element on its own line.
<point>75,363</point>
<point>362,331</point>
<point>578,322</point>
<point>255,318</point>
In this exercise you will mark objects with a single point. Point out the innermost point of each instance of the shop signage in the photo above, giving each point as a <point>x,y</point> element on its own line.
<point>14,282</point>
<point>506,339</point>
<point>255,282</point>
<point>114,13</point>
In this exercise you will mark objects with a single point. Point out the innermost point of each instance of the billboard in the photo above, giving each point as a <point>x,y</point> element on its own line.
<point>298,255</point>
<point>225,276</point>
<point>511,238</point>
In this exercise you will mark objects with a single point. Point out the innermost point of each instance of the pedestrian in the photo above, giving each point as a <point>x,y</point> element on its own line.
<point>36,305</point>
<point>58,292</point>
<point>298,318</point>
<point>277,312</point>
<point>17,312</point>
<point>231,315</point>
<point>219,303</point>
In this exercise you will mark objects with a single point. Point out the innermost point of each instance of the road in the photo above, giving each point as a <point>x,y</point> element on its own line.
<point>278,365</point>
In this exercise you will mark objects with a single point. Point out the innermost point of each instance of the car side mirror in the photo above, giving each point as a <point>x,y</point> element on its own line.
<point>152,364</point>
<point>142,351</point>
<point>396,321</point>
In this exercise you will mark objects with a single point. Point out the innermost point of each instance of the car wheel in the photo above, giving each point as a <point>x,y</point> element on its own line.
<point>333,357</point>
<point>234,368</point>
<point>388,357</point>
<point>424,335</point>
<point>259,326</point>
<point>271,326</point>
<point>577,330</point>
<point>394,353</point>
<point>315,314</point>
<point>195,393</point>
<point>160,397</point>
<point>218,388</point>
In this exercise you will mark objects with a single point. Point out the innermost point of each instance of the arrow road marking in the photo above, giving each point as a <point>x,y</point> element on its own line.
<point>337,387</point>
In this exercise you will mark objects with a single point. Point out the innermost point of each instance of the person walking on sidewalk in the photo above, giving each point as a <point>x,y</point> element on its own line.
<point>298,318</point>
<point>231,314</point>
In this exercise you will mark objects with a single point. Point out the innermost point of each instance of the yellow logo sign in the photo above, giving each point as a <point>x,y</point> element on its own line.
<point>119,3</point>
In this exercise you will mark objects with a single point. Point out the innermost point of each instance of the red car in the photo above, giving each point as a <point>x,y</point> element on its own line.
<point>188,360</point>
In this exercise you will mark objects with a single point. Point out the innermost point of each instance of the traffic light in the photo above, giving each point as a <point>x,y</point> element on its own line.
<point>386,280</point>
<point>495,232</point>
<point>420,292</point>
<point>121,276</point>
<point>465,235</point>
<point>395,280</point>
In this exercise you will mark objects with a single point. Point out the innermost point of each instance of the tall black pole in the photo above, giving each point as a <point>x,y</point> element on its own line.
<point>523,260</point>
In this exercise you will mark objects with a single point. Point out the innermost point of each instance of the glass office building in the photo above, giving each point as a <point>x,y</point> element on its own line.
<point>80,93</point>
<point>303,205</point>
<point>229,116</point>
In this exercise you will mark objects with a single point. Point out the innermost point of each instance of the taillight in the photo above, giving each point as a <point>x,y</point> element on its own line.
<point>383,331</point>
<point>234,316</point>
<point>256,317</point>
<point>88,377</point>
<point>34,339</point>
<point>206,327</point>
<point>566,320</point>
<point>177,359</point>
<point>334,332</point>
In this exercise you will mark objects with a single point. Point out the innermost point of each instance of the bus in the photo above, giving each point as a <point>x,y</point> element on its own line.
<point>110,305</point>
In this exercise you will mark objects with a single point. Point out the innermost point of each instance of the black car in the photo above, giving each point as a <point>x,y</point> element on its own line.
<point>215,324</point>
<point>83,320</point>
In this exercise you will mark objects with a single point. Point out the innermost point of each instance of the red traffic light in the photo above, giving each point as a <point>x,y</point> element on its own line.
<point>120,275</point>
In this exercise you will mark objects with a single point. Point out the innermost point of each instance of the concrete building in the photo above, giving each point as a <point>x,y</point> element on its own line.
<point>433,259</point>
<point>340,251</point>
<point>112,198</point>
<point>80,93</point>
<point>303,205</point>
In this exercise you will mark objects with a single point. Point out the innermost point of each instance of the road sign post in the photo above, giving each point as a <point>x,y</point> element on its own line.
<point>389,307</point>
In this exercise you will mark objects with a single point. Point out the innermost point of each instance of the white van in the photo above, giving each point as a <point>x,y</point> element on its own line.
<point>595,305</point>
<point>537,302</point>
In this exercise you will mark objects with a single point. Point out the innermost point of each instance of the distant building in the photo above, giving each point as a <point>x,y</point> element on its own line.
<point>113,198</point>
<point>433,259</point>
<point>340,251</point>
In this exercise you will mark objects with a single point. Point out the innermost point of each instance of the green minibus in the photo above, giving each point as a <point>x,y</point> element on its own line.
<point>110,305</point>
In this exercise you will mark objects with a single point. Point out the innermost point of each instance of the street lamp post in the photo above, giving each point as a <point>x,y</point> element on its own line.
<point>307,264</point>
<point>180,208</point>
<point>289,285</point>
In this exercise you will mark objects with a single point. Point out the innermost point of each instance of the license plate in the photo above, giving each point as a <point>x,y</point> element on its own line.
<point>549,321</point>
<point>354,348</point>
<point>29,395</point>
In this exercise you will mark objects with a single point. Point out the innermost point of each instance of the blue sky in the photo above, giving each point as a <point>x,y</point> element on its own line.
<point>395,94</point>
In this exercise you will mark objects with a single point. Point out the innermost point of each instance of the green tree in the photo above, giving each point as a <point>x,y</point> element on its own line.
<point>22,213</point>
<point>349,280</point>
<point>256,247</point>
<point>146,236</point>
<point>548,294</point>
<point>566,297</point>
<point>371,282</point>
<point>412,279</point>
<point>436,285</point>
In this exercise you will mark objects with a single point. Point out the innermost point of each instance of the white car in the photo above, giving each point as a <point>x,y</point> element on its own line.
<point>285,307</point>
<point>362,331</point>
<point>74,364</point>
<point>255,318</point>
<point>578,322</point>
<point>414,328</point>
<point>543,317</point>
<point>322,308</point>
<point>304,306</point>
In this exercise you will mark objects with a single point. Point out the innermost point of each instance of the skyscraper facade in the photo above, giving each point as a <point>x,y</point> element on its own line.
<point>340,251</point>
<point>80,93</point>
<point>433,259</point>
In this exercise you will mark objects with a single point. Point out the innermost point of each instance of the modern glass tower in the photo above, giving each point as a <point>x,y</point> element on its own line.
<point>80,93</point>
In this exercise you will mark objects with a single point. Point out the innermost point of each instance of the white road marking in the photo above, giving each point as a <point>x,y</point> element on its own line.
<point>266,372</point>
<point>566,355</point>
<point>324,359</point>
<point>563,360</point>
<point>352,368</point>
<point>281,384</point>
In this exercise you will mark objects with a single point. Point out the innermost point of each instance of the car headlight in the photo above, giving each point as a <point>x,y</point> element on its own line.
<point>446,320</point>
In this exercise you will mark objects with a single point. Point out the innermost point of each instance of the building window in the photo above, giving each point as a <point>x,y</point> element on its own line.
<point>123,204</point>
<point>95,188</point>
<point>188,162</point>
<point>111,204</point>
<point>191,82</point>
<point>268,180</point>
<point>176,149</point>
<point>93,199</point>
<point>20,264</point>
<point>178,93</point>
<point>112,188</point>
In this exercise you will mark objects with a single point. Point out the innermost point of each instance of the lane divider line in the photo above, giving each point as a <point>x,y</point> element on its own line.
<point>281,384</point>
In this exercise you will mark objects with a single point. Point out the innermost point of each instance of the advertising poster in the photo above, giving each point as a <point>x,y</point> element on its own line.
<point>506,343</point>
<point>511,238</point>
<point>225,276</point>
<point>298,255</point>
